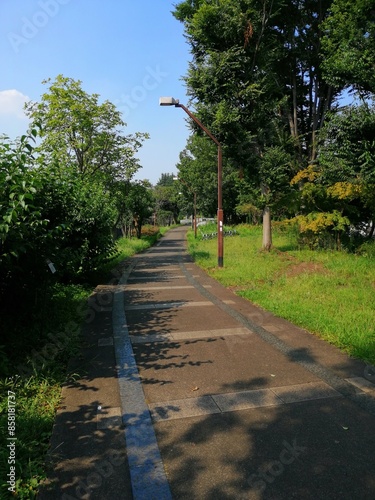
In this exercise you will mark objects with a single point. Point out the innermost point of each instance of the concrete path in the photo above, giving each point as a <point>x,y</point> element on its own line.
<point>214,398</point>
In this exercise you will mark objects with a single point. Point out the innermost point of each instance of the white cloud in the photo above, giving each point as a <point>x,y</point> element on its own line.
<point>12,102</point>
<point>13,121</point>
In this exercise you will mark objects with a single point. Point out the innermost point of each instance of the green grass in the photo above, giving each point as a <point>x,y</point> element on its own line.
<point>35,375</point>
<point>36,379</point>
<point>329,293</point>
<point>37,397</point>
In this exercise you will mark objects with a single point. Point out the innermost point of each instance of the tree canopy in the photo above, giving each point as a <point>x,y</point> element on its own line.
<point>80,132</point>
<point>348,45</point>
<point>266,77</point>
<point>256,78</point>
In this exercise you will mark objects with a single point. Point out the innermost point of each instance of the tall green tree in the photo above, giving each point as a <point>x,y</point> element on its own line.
<point>347,163</point>
<point>140,203</point>
<point>337,191</point>
<point>197,169</point>
<point>80,132</point>
<point>256,79</point>
<point>349,45</point>
<point>166,199</point>
<point>198,173</point>
<point>83,157</point>
<point>166,180</point>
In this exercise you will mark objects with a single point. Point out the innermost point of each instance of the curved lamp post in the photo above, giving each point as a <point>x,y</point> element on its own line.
<point>170,101</point>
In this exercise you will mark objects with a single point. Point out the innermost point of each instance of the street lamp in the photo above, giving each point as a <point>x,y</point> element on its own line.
<point>170,101</point>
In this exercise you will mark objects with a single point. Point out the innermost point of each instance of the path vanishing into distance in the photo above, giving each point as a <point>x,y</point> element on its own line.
<point>185,391</point>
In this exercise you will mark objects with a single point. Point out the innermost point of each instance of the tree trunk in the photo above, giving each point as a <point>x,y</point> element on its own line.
<point>267,232</point>
<point>372,229</point>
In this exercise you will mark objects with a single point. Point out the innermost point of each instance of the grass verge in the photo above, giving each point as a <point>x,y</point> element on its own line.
<point>33,370</point>
<point>329,293</point>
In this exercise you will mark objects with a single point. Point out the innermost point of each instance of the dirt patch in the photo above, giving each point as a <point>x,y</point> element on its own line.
<point>305,268</point>
<point>284,255</point>
<point>236,289</point>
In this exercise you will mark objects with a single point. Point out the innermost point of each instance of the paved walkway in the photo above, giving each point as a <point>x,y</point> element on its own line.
<point>190,392</point>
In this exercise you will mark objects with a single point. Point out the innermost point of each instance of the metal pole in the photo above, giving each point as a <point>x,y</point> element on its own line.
<point>220,213</point>
<point>195,215</point>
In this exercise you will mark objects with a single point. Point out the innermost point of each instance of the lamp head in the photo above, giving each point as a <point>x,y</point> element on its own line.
<point>168,101</point>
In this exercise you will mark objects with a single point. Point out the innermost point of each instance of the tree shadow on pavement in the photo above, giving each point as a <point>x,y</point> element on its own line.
<point>313,449</point>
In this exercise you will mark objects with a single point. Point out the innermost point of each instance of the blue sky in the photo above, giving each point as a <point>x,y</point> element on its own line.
<point>128,51</point>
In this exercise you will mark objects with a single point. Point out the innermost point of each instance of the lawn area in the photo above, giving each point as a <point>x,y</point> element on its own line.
<point>329,293</point>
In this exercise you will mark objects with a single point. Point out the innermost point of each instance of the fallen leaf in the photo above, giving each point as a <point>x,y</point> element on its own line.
<point>195,389</point>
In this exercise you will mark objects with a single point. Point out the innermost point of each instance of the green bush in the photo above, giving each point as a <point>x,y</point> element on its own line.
<point>80,214</point>
<point>21,221</point>
<point>367,249</point>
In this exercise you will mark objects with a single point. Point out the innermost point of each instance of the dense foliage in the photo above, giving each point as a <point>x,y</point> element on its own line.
<point>67,186</point>
<point>266,77</point>
<point>349,45</point>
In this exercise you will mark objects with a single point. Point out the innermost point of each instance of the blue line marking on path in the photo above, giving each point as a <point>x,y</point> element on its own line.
<point>146,467</point>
